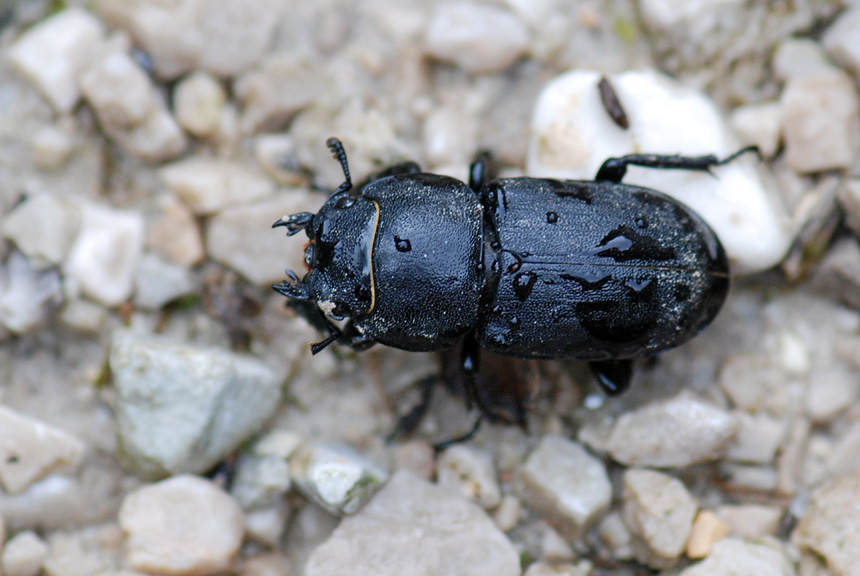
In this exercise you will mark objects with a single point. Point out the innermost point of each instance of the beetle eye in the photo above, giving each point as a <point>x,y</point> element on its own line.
<point>339,311</point>
<point>345,202</point>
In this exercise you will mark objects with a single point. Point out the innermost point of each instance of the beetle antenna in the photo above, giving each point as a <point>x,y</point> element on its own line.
<point>336,147</point>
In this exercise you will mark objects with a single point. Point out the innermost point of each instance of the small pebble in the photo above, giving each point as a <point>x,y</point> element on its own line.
<point>759,124</point>
<point>796,58</point>
<point>23,555</point>
<point>119,91</point>
<point>416,527</point>
<point>708,529</point>
<point>74,554</point>
<point>32,449</point>
<point>279,87</point>
<point>469,471</point>
<point>673,433</point>
<point>183,525</point>
<point>554,548</point>
<point>842,39</point>
<point>104,257</point>
<point>507,513</point>
<point>158,282</point>
<point>266,564</point>
<point>475,37</point>
<point>198,103</point>
<point>569,485</point>
<point>659,512</point>
<point>831,390</point>
<point>260,480</point>
<point>53,53</point>
<point>830,526</point>
<point>182,408</point>
<point>821,113</point>
<point>242,237</point>
<point>757,439</point>
<point>732,556</point>
<point>751,521</point>
<point>335,476</point>
<point>27,296</point>
<point>175,233</point>
<point>278,443</point>
<point>208,185</point>
<point>416,456</point>
<point>83,316</point>
<point>267,525</point>
<point>581,568</point>
<point>43,227</point>
<point>615,534</point>
<point>51,147</point>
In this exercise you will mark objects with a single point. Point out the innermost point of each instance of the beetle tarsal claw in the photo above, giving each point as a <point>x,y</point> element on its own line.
<point>294,223</point>
<point>295,291</point>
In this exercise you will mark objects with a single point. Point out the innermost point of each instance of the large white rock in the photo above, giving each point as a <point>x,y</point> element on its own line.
<point>413,527</point>
<point>181,408</point>
<point>31,449</point>
<point>572,135</point>
<point>53,53</point>
<point>104,257</point>
<point>183,525</point>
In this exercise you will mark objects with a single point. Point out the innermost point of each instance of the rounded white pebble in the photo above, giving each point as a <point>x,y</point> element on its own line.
<point>23,555</point>
<point>183,525</point>
<point>198,102</point>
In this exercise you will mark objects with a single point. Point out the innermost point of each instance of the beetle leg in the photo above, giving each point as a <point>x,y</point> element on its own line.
<point>614,169</point>
<point>613,375</point>
<point>482,170</point>
<point>295,223</point>
<point>407,423</point>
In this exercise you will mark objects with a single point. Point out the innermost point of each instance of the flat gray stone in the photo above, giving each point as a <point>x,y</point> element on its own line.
<point>413,527</point>
<point>181,408</point>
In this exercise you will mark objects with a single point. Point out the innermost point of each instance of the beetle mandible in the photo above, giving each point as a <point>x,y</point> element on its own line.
<point>592,270</point>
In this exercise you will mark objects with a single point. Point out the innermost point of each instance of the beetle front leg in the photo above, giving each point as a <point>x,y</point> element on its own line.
<point>614,169</point>
<point>481,171</point>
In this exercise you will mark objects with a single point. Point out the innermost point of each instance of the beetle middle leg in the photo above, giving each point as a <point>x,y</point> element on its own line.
<point>614,169</point>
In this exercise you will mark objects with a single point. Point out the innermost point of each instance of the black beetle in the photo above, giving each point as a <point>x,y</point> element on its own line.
<point>595,270</point>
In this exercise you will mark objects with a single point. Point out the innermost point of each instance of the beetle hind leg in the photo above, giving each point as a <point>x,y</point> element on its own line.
<point>613,375</point>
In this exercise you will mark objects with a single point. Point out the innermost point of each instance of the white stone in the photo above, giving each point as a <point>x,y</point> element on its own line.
<point>507,513</point>
<point>581,568</point>
<point>182,408</point>
<point>759,124</point>
<point>757,439</point>
<point>279,443</point>
<point>158,282</point>
<point>51,147</point>
<point>659,511</point>
<point>450,136</point>
<point>73,553</point>
<point>27,296</point>
<point>103,258</point>
<point>156,139</point>
<point>224,37</point>
<point>572,135</point>
<point>242,238</point>
<point>207,185</point>
<point>668,14</point>
<point>842,39</point>
<point>677,432</point>
<point>83,316</point>
<point>43,227</point>
<point>119,91</point>
<point>831,390</point>
<point>183,525</point>
<point>413,527</point>
<point>708,529</point>
<point>615,534</point>
<point>569,485</point>
<point>753,521</point>
<point>175,233</point>
<point>416,456</point>
<point>280,86</point>
<point>798,57</point>
<point>23,555</point>
<point>476,37</point>
<point>266,525</point>
<point>260,480</point>
<point>53,53</point>
<point>335,476</point>
<point>31,449</point>
<point>821,114</point>
<point>469,471</point>
<point>732,556</point>
<point>198,102</point>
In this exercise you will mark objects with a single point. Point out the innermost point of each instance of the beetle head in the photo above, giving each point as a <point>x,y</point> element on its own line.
<point>338,256</point>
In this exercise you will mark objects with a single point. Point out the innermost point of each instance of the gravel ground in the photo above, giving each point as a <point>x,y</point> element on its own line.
<point>160,411</point>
